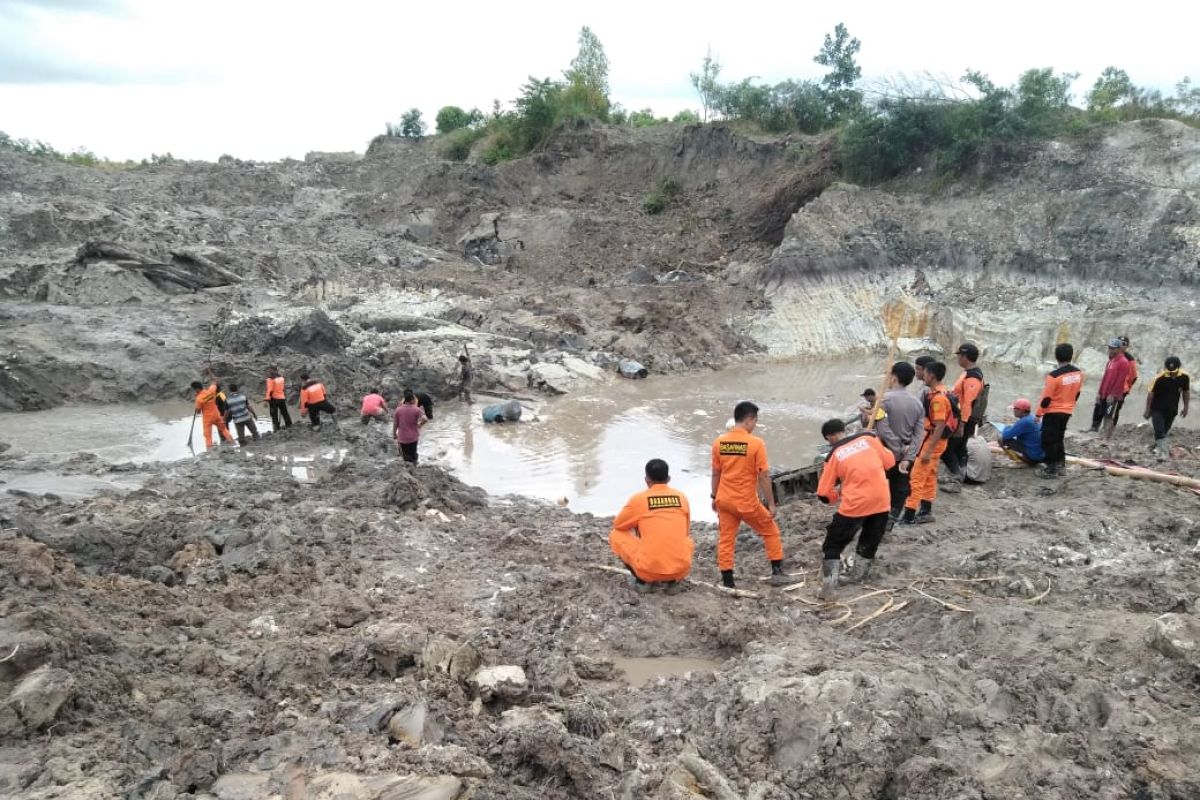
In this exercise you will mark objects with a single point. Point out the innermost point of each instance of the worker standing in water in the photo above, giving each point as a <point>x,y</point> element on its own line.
<point>740,474</point>
<point>210,415</point>
<point>277,400</point>
<point>651,535</point>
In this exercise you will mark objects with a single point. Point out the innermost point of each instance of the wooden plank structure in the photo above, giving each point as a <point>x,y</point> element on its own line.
<point>790,484</point>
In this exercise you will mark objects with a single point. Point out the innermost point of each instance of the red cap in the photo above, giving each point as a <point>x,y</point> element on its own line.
<point>1021,404</point>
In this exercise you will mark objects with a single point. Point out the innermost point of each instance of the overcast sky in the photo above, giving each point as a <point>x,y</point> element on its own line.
<point>265,79</point>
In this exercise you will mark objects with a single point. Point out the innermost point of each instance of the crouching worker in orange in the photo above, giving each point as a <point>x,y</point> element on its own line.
<point>860,464</point>
<point>940,422</point>
<point>651,533</point>
<point>313,402</point>
<point>739,475</point>
<point>210,415</point>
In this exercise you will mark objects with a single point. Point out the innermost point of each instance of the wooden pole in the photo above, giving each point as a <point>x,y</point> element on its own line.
<point>887,371</point>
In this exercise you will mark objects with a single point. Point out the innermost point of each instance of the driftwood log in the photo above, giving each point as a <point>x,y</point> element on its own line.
<point>186,268</point>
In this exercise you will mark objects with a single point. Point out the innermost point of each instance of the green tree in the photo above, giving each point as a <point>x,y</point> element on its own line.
<point>1043,100</point>
<point>1187,98</point>
<point>686,117</point>
<point>837,53</point>
<point>411,124</point>
<point>452,118</point>
<point>590,65</point>
<point>1113,88</point>
<point>586,93</point>
<point>645,118</point>
<point>706,85</point>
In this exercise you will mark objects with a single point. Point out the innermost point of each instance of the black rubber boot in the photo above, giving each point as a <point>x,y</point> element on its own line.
<point>727,578</point>
<point>909,516</point>
<point>778,576</point>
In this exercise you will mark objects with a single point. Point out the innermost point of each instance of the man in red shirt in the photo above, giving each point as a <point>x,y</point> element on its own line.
<point>859,464</point>
<point>407,422</point>
<point>1112,387</point>
<point>374,407</point>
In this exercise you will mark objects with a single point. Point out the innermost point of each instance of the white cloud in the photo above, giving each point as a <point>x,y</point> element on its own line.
<point>270,78</point>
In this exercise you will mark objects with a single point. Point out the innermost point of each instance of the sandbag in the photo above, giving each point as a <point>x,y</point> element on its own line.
<point>628,368</point>
<point>979,459</point>
<point>503,412</point>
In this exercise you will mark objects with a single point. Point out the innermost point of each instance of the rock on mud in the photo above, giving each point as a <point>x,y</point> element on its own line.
<point>37,701</point>
<point>1177,636</point>
<point>311,334</point>
<point>506,682</point>
<point>394,646</point>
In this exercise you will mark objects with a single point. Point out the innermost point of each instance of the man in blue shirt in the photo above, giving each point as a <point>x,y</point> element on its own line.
<point>1022,440</point>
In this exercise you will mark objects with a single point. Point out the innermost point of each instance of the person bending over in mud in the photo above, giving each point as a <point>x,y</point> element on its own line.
<point>313,400</point>
<point>210,415</point>
<point>651,534</point>
<point>374,407</point>
<point>859,464</point>
<point>240,411</point>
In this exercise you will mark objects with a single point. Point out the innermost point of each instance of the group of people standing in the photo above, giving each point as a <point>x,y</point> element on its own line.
<point>218,408</point>
<point>883,475</point>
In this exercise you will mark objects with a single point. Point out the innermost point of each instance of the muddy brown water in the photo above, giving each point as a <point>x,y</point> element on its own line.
<point>586,448</point>
<point>637,672</point>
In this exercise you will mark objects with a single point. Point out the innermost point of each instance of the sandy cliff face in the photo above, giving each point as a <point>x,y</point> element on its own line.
<point>1080,244</point>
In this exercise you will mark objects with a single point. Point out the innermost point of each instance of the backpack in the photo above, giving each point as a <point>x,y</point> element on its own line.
<point>979,407</point>
<point>953,419</point>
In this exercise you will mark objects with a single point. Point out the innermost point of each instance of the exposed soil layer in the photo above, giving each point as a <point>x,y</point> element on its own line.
<point>258,636</point>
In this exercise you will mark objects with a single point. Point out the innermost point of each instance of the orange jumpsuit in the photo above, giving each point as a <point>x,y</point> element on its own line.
<point>924,475</point>
<point>741,457</point>
<point>206,404</point>
<point>651,534</point>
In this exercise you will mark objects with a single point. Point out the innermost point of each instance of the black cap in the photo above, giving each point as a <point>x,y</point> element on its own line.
<point>969,350</point>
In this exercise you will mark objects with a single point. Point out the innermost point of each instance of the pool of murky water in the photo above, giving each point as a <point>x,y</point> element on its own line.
<point>587,448</point>
<point>637,672</point>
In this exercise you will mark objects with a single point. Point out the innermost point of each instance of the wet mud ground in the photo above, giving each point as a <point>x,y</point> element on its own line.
<point>229,631</point>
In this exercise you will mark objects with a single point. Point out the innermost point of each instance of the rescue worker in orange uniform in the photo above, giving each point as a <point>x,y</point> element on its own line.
<point>277,400</point>
<point>859,464</point>
<point>739,475</point>
<point>938,418</point>
<point>210,414</point>
<point>1063,387</point>
<point>651,534</point>
<point>313,401</point>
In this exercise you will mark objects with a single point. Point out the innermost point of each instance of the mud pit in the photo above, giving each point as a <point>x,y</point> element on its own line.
<point>586,447</point>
